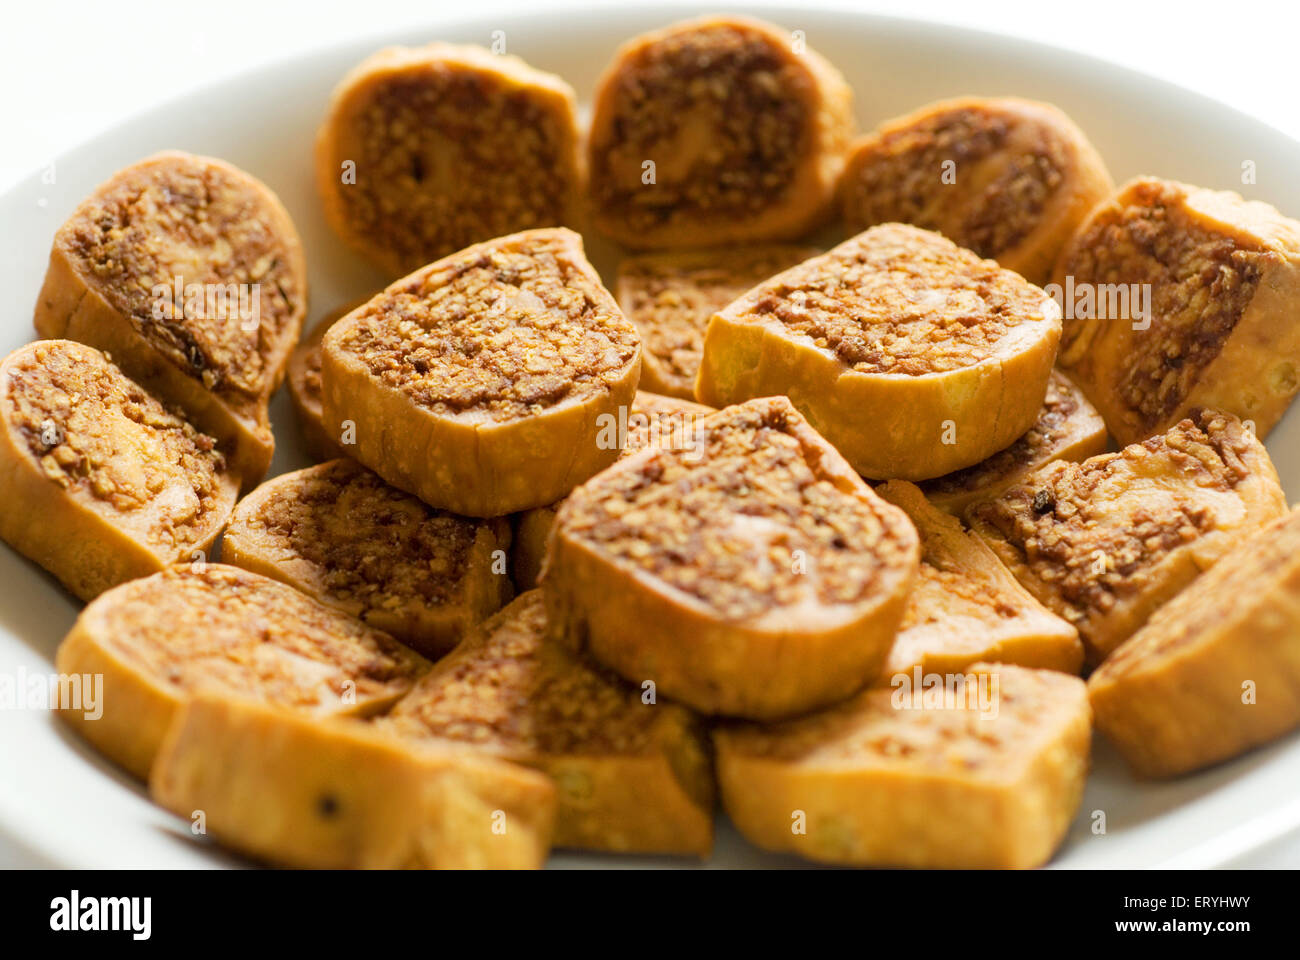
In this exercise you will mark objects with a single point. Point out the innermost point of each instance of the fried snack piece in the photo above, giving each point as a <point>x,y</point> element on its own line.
<point>913,356</point>
<point>531,530</point>
<point>752,573</point>
<point>633,777</point>
<point>189,273</point>
<point>334,794</point>
<point>988,777</point>
<point>481,383</point>
<point>427,150</point>
<point>218,628</point>
<point>654,420</point>
<point>1068,428</point>
<point>339,534</point>
<point>303,377</point>
<point>99,482</point>
<point>1008,178</point>
<point>671,296</point>
<point>1216,670</point>
<point>1106,542</point>
<point>1220,278</point>
<point>746,136</point>
<point>967,606</point>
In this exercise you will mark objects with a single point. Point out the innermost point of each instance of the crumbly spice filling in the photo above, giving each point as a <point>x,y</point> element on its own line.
<point>900,300</point>
<point>230,630</point>
<point>192,220</point>
<point>1011,206</point>
<point>1015,165</point>
<point>1201,282</point>
<point>1082,531</point>
<point>671,298</point>
<point>504,332</point>
<point>372,544</point>
<point>1242,580</point>
<point>98,434</point>
<point>511,691</point>
<point>722,111</point>
<point>451,156</point>
<point>661,422</point>
<point>744,521</point>
<point>945,591</point>
<point>310,390</point>
<point>1050,432</point>
<point>869,731</point>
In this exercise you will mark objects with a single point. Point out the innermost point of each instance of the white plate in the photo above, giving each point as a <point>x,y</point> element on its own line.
<point>61,805</point>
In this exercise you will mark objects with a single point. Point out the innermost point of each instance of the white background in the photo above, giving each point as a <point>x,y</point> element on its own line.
<point>71,70</point>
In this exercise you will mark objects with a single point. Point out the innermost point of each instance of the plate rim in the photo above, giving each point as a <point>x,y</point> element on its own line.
<point>1236,841</point>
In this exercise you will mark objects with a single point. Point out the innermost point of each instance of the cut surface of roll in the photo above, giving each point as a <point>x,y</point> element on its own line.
<point>99,482</point>
<point>340,534</point>
<point>632,770</point>
<point>1214,672</point>
<point>716,131</point>
<point>986,772</point>
<point>189,273</point>
<point>749,573</point>
<point>671,296</point>
<point>653,420</point>
<point>427,150</point>
<point>1068,428</point>
<point>300,791</point>
<point>911,355</point>
<point>1178,297</point>
<point>1010,179</point>
<point>1104,543</point>
<point>482,383</point>
<point>967,606</point>
<point>218,628</point>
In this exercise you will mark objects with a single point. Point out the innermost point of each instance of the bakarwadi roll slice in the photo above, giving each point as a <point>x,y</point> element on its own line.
<point>481,383</point>
<point>716,131</point>
<point>339,533</point>
<point>229,632</point>
<point>750,572</point>
<point>99,482</point>
<point>632,772</point>
<point>189,273</point>
<point>910,354</point>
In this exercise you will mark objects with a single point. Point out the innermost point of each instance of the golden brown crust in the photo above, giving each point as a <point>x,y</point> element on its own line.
<point>1068,428</point>
<point>448,146</point>
<point>217,348</point>
<point>763,576</point>
<point>911,355</point>
<point>99,483</point>
<point>1021,179</point>
<point>303,378</point>
<point>993,780</point>
<point>652,420</point>
<point>1215,671</point>
<point>1106,542</point>
<point>340,534</point>
<point>228,631</point>
<point>632,776</point>
<point>746,128</point>
<point>671,297</point>
<point>967,606</point>
<point>1223,278</point>
<point>481,382</point>
<point>532,529</point>
<point>334,794</point>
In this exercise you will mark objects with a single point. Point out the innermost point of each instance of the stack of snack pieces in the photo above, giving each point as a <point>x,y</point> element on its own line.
<point>824,530</point>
